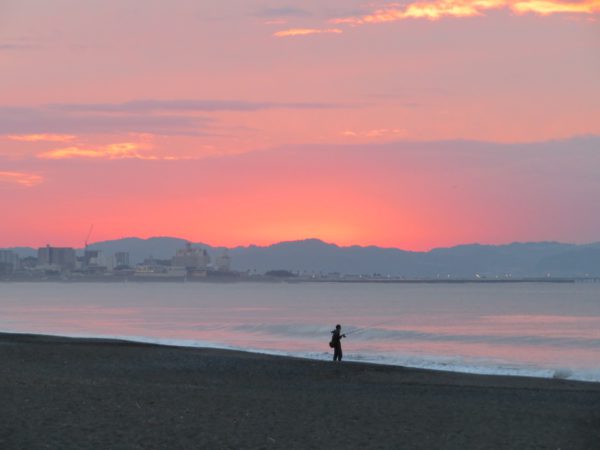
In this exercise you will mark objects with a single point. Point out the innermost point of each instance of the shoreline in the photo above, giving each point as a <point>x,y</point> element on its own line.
<point>101,393</point>
<point>119,279</point>
<point>566,374</point>
<point>119,341</point>
<point>557,373</point>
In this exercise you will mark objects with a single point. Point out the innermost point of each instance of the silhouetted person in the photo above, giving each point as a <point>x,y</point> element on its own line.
<point>336,341</point>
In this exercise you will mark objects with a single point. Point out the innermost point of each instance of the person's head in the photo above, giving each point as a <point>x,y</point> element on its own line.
<point>338,327</point>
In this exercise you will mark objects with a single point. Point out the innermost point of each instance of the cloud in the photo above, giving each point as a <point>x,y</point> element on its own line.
<point>188,106</point>
<point>160,117</point>
<point>276,22</point>
<point>123,150</point>
<point>18,43</point>
<point>15,47</point>
<point>21,178</point>
<point>55,121</point>
<point>393,133</point>
<point>306,31</point>
<point>144,150</point>
<point>41,137</point>
<point>556,7</point>
<point>435,10</point>
<point>12,47</point>
<point>283,12</point>
<point>380,132</point>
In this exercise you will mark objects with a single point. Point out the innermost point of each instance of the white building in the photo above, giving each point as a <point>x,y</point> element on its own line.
<point>191,258</point>
<point>223,262</point>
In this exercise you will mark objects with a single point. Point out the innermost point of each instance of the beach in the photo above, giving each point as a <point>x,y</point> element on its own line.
<point>64,393</point>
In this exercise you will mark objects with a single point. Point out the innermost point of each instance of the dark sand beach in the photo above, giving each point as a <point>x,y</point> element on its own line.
<point>63,393</point>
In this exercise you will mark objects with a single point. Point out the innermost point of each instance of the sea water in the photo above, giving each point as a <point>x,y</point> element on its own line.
<point>531,329</point>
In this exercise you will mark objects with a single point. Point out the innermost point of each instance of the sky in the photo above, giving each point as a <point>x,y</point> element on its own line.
<point>413,124</point>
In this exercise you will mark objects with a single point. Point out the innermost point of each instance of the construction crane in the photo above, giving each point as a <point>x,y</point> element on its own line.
<point>87,238</point>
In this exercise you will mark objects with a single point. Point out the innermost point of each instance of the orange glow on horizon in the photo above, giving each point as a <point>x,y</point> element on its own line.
<point>413,124</point>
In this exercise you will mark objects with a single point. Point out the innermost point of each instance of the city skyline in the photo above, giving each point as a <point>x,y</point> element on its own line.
<point>172,258</point>
<point>414,126</point>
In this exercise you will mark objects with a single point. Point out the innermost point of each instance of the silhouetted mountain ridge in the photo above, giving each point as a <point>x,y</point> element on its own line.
<point>314,255</point>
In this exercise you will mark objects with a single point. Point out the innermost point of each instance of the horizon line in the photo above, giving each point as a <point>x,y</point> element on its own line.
<point>467,244</point>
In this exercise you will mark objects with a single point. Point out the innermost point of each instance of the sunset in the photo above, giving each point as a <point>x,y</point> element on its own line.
<point>410,125</point>
<point>318,224</point>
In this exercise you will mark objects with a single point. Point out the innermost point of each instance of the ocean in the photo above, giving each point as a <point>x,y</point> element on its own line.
<point>529,329</point>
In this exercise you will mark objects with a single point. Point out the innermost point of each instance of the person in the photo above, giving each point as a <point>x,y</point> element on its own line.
<point>336,341</point>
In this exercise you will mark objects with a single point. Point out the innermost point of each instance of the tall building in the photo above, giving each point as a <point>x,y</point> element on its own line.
<point>63,257</point>
<point>9,260</point>
<point>191,258</point>
<point>121,259</point>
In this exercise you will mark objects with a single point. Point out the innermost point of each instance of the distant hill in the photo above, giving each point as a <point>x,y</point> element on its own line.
<point>517,259</point>
<point>23,252</point>
<point>314,255</point>
<point>141,249</point>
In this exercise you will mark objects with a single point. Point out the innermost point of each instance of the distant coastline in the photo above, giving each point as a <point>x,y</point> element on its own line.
<point>295,280</point>
<point>174,259</point>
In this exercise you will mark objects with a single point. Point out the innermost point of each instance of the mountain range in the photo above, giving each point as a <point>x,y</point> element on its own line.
<point>535,259</point>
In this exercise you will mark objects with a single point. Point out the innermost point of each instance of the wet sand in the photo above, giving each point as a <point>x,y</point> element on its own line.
<point>63,393</point>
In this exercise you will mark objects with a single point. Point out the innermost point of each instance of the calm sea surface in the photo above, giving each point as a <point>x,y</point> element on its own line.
<point>538,329</point>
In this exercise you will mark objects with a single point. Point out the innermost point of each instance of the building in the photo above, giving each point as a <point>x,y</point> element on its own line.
<point>9,258</point>
<point>9,261</point>
<point>191,258</point>
<point>122,259</point>
<point>62,257</point>
<point>223,262</point>
<point>90,258</point>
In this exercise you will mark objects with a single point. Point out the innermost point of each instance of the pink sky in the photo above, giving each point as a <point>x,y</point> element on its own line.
<point>412,125</point>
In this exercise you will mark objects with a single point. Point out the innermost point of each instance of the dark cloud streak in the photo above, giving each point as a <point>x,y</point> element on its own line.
<point>16,47</point>
<point>166,117</point>
<point>190,106</point>
<point>288,11</point>
<point>44,120</point>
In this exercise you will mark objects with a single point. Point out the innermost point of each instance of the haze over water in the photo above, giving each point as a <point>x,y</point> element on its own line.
<point>537,329</point>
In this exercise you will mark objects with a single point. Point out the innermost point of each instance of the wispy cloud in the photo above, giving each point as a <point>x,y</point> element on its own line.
<point>16,46</point>
<point>49,120</point>
<point>288,11</point>
<point>188,106</point>
<point>18,43</point>
<point>13,47</point>
<point>122,150</point>
<point>434,10</point>
<point>143,150</point>
<point>41,137</point>
<point>21,178</point>
<point>375,133</point>
<point>292,32</point>
<point>160,117</point>
<point>555,7</point>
